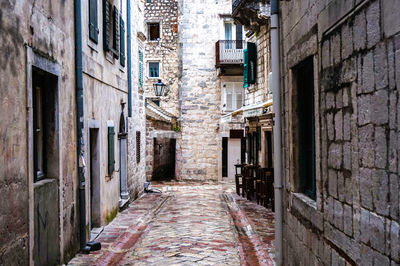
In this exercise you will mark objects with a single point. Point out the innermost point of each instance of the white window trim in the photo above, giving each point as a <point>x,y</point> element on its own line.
<point>153,60</point>
<point>235,87</point>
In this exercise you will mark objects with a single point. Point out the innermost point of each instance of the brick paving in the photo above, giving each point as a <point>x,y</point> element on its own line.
<point>188,224</point>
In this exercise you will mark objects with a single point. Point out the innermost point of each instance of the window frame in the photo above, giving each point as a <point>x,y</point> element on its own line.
<point>303,115</point>
<point>149,31</point>
<point>148,69</point>
<point>235,88</point>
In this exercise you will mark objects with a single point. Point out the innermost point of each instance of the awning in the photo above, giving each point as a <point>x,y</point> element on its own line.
<point>155,112</point>
<point>249,111</point>
<point>257,109</point>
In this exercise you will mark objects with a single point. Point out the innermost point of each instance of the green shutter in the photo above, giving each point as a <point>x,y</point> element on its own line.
<point>245,69</point>
<point>93,22</point>
<point>106,25</point>
<point>141,68</point>
<point>111,154</point>
<point>122,50</point>
<point>252,62</point>
<point>116,33</point>
<point>259,138</point>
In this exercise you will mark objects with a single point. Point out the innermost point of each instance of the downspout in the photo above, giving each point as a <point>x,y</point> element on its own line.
<point>277,129</point>
<point>129,59</point>
<point>80,125</point>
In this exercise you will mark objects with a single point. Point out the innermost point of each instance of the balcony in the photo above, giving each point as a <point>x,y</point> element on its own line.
<point>235,5</point>
<point>229,52</point>
<point>251,13</point>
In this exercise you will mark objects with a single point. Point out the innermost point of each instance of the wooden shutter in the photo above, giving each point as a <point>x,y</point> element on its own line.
<point>259,138</point>
<point>116,37</point>
<point>111,153</point>
<point>93,21</point>
<point>243,150</point>
<point>141,68</point>
<point>252,62</point>
<point>122,49</point>
<point>106,25</point>
<point>138,146</point>
<point>245,69</point>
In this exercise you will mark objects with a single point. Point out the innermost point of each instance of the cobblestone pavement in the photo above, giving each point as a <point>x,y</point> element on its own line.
<point>188,224</point>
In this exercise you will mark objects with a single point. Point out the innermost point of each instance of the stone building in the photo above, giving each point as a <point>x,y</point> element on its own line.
<point>137,121</point>
<point>38,174</point>
<point>40,205</point>
<point>340,80</point>
<point>201,26</point>
<point>115,135</point>
<point>257,110</point>
<point>161,63</point>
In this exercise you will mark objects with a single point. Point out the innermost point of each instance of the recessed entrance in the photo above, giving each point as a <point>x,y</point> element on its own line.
<point>94,175</point>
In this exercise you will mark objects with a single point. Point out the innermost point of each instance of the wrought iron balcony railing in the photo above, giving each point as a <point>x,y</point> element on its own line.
<point>229,51</point>
<point>236,4</point>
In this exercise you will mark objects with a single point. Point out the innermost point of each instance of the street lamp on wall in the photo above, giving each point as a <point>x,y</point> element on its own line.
<point>159,88</point>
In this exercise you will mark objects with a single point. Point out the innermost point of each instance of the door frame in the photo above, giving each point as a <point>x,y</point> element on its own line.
<point>93,125</point>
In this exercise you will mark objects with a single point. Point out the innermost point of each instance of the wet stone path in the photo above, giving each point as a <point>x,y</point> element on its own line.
<point>188,224</point>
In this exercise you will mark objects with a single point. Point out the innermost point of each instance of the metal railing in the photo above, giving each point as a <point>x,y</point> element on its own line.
<point>236,4</point>
<point>229,51</point>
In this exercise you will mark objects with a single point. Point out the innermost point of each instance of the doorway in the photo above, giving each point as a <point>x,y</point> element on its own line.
<point>164,159</point>
<point>268,149</point>
<point>234,155</point>
<point>94,175</point>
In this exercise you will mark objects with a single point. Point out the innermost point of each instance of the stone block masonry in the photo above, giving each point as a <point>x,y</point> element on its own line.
<point>200,95</point>
<point>355,218</point>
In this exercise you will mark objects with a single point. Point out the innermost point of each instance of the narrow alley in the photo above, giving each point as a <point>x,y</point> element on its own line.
<point>200,132</point>
<point>187,224</point>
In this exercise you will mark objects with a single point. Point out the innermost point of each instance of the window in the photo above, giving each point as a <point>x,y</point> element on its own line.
<point>93,21</point>
<point>304,87</point>
<point>249,65</point>
<point>111,32</point>
<point>154,31</point>
<point>140,68</point>
<point>44,126</point>
<point>111,151</point>
<point>154,69</point>
<point>122,42</point>
<point>233,96</point>
<point>137,146</point>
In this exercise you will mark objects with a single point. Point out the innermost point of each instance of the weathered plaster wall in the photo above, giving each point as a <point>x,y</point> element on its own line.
<point>105,86</point>
<point>355,218</point>
<point>47,27</point>
<point>164,50</point>
<point>200,94</point>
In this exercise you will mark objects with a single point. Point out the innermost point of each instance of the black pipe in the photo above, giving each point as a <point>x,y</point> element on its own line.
<point>80,123</point>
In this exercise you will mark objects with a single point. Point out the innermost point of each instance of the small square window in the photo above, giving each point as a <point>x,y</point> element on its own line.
<point>154,31</point>
<point>154,69</point>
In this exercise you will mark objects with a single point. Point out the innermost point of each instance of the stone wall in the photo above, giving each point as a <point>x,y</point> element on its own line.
<point>356,55</point>
<point>260,92</point>
<point>164,50</point>
<point>200,95</point>
<point>136,171</point>
<point>44,29</point>
<point>105,87</point>
<point>152,125</point>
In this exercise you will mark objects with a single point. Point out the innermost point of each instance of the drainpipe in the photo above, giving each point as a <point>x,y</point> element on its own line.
<point>80,124</point>
<point>128,18</point>
<point>277,129</point>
